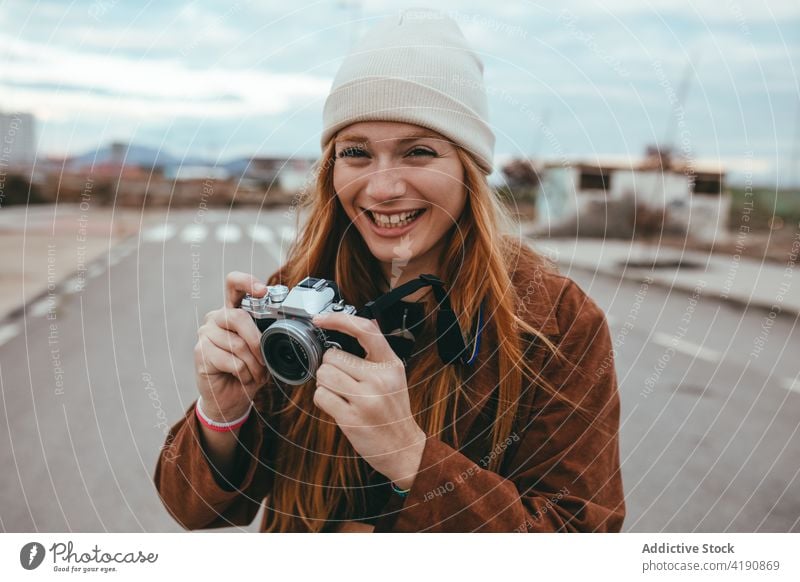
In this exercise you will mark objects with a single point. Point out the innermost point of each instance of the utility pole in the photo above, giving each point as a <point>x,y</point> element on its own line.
<point>794,160</point>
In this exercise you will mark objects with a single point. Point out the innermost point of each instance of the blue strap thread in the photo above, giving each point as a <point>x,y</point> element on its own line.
<point>398,491</point>
<point>476,342</point>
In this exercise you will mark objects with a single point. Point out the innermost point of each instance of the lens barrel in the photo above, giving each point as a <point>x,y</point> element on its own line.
<point>292,350</point>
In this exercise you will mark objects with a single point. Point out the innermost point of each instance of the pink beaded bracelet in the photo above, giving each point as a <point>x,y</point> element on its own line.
<point>220,426</point>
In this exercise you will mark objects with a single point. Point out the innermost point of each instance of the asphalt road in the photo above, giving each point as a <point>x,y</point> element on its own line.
<point>710,424</point>
<point>710,437</point>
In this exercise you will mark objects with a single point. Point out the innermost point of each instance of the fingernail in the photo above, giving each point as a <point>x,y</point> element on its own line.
<point>260,287</point>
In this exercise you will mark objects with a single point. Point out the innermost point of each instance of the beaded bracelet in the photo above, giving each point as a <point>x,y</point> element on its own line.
<point>216,425</point>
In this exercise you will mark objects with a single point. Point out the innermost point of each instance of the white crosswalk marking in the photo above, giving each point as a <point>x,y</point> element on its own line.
<point>75,285</point>
<point>160,233</point>
<point>95,270</point>
<point>7,332</point>
<point>264,235</point>
<point>117,257</point>
<point>791,384</point>
<point>41,307</point>
<point>228,233</point>
<point>127,247</point>
<point>287,234</point>
<point>194,233</point>
<point>685,347</point>
<point>261,233</point>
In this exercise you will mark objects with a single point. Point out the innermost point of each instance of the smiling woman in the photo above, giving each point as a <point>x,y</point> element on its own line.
<point>520,436</point>
<point>395,181</point>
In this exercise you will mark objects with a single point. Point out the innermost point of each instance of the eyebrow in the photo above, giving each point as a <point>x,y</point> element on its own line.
<point>351,137</point>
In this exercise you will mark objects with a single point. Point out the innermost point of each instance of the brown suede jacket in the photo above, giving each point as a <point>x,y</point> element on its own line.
<point>559,473</point>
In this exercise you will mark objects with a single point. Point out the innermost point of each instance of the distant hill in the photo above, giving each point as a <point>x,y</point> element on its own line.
<point>132,155</point>
<point>149,157</point>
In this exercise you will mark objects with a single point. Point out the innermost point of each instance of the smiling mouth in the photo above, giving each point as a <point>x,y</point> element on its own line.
<point>396,220</point>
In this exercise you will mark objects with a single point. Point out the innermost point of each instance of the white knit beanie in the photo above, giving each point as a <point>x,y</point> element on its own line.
<point>415,67</point>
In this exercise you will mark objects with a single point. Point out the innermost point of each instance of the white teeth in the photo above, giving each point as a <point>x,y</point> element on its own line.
<point>395,220</point>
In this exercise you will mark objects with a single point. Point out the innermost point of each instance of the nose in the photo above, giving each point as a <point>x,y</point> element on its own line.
<point>384,185</point>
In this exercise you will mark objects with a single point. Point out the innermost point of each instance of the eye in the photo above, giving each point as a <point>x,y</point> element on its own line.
<point>418,151</point>
<point>352,152</point>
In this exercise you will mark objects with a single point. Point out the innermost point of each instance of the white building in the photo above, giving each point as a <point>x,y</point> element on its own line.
<point>181,173</point>
<point>693,196</point>
<point>17,140</point>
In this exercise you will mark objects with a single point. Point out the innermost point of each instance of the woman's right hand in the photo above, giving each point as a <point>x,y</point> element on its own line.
<point>227,357</point>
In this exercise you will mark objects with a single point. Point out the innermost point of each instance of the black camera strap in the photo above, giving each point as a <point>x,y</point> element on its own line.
<point>450,343</point>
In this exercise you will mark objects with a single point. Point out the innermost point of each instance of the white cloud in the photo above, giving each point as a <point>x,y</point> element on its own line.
<point>713,11</point>
<point>95,83</point>
<point>192,61</point>
<point>191,26</point>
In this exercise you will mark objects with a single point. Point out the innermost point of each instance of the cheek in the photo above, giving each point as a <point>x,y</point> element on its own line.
<point>343,187</point>
<point>457,206</point>
<point>450,206</point>
<point>447,193</point>
<point>338,182</point>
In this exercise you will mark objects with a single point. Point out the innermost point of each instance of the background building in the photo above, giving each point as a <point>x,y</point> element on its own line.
<point>17,140</point>
<point>673,195</point>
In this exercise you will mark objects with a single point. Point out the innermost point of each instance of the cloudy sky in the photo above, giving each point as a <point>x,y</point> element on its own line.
<point>581,79</point>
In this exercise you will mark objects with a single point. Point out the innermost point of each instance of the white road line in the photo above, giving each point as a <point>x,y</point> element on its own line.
<point>261,233</point>
<point>74,285</point>
<point>7,332</point>
<point>264,235</point>
<point>160,233</point>
<point>41,307</point>
<point>228,233</point>
<point>791,384</point>
<point>688,348</point>
<point>95,269</point>
<point>117,257</point>
<point>121,252</point>
<point>194,233</point>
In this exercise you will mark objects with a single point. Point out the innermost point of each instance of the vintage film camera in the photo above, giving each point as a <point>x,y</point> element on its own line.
<point>293,347</point>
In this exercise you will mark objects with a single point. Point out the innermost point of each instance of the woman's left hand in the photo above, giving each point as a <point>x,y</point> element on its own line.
<point>368,399</point>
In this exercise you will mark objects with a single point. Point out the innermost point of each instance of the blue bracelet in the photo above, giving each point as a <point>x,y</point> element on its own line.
<point>400,492</point>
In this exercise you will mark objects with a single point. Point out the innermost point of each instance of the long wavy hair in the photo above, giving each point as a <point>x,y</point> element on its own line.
<point>318,475</point>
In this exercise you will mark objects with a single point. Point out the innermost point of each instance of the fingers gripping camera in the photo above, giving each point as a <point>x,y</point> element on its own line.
<point>291,345</point>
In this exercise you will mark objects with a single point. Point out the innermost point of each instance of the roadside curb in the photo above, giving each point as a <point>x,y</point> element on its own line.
<point>729,279</point>
<point>62,286</point>
<point>641,276</point>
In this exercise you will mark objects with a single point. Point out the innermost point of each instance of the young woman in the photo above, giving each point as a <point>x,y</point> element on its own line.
<point>521,434</point>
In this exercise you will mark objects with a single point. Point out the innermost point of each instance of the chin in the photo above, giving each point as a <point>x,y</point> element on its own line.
<point>401,252</point>
<point>387,252</point>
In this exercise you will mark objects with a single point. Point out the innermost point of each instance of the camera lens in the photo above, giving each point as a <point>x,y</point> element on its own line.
<point>291,350</point>
<point>287,357</point>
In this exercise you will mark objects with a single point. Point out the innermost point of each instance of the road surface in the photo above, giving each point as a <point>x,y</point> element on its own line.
<point>95,372</point>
